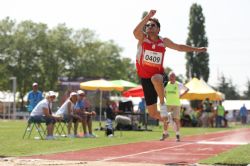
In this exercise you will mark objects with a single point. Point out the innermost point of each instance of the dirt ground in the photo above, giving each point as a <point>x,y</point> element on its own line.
<point>39,162</point>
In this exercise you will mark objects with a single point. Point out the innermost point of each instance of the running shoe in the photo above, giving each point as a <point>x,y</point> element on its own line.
<point>178,138</point>
<point>164,136</point>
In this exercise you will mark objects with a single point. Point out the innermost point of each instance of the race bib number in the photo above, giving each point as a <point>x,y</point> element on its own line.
<point>152,58</point>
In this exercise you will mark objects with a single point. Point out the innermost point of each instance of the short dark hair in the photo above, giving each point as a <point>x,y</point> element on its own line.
<point>156,21</point>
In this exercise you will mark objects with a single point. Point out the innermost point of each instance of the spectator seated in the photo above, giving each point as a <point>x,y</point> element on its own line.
<point>37,122</point>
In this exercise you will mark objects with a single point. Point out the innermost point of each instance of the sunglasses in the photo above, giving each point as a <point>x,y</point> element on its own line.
<point>150,25</point>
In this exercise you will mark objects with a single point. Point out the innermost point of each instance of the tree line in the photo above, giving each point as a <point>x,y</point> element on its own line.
<point>32,52</point>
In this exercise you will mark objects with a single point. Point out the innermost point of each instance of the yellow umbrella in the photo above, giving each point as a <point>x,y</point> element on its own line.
<point>102,85</point>
<point>124,83</point>
<point>200,90</point>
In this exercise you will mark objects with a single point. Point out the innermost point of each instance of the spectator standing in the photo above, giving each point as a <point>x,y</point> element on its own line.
<point>34,97</point>
<point>174,91</point>
<point>110,114</point>
<point>243,114</point>
<point>207,113</point>
<point>220,113</point>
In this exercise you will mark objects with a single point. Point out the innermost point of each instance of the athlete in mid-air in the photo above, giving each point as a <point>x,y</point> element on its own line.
<point>149,64</point>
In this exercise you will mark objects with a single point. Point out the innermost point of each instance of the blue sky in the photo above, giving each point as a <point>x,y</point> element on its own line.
<point>227,27</point>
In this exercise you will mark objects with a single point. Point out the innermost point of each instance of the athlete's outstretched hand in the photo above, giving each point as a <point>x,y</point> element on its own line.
<point>201,49</point>
<point>152,13</point>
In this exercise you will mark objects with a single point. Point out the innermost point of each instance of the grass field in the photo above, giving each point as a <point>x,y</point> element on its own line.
<point>12,143</point>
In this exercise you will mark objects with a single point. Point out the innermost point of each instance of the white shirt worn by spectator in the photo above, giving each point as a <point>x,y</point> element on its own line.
<point>63,110</point>
<point>38,110</point>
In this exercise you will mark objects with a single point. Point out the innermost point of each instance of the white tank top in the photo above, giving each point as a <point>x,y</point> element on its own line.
<point>63,110</point>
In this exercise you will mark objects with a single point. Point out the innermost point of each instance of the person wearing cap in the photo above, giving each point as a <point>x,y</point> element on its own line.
<point>83,109</point>
<point>67,112</point>
<point>174,90</point>
<point>34,97</point>
<point>43,113</point>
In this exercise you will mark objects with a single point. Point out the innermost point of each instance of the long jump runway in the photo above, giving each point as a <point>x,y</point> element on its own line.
<point>190,150</point>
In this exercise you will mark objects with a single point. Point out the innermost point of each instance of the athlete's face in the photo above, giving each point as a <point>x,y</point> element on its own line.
<point>151,28</point>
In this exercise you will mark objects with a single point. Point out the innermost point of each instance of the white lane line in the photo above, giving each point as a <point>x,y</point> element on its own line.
<point>150,151</point>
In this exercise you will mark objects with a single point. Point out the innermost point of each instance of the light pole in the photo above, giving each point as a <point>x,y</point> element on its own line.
<point>14,96</point>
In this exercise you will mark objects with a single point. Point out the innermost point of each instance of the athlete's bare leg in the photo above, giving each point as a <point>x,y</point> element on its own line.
<point>157,81</point>
<point>152,110</point>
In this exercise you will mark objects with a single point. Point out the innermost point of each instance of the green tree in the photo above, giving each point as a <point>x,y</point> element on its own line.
<point>197,63</point>
<point>20,55</point>
<point>32,52</point>
<point>226,86</point>
<point>100,59</point>
<point>246,93</point>
<point>6,39</point>
<point>58,56</point>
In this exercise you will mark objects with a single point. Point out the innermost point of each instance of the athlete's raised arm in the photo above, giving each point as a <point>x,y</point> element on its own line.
<point>138,31</point>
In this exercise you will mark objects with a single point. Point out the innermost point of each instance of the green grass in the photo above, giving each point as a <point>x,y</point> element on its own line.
<point>12,143</point>
<point>237,156</point>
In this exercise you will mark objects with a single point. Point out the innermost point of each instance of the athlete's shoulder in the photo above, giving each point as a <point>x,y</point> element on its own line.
<point>166,39</point>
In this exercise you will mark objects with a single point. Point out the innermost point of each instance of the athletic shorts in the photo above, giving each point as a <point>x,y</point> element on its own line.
<point>149,90</point>
<point>175,111</point>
